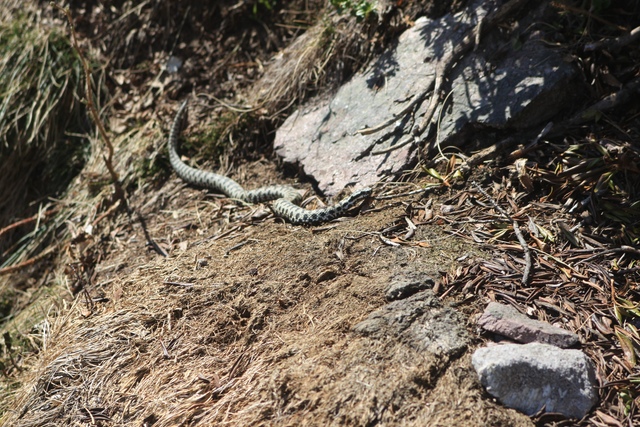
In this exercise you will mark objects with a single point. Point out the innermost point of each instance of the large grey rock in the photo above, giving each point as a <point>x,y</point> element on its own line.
<point>421,322</point>
<point>490,88</point>
<point>507,321</point>
<point>533,376</point>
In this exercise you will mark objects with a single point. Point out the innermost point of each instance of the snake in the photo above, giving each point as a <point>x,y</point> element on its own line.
<point>285,198</point>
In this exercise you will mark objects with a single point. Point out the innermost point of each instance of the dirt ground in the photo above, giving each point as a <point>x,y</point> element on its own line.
<point>251,324</point>
<point>195,310</point>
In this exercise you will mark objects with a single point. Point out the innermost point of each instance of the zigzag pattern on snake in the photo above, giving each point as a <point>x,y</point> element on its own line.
<point>286,198</point>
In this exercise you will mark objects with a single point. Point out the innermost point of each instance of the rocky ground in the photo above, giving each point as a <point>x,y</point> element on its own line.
<point>194,310</point>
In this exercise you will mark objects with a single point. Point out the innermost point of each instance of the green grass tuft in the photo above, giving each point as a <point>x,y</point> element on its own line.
<point>39,113</point>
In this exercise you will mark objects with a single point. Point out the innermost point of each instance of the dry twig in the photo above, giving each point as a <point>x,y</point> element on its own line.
<point>28,220</point>
<point>623,248</point>
<point>614,44</point>
<point>108,159</point>
<point>628,93</point>
<point>516,230</point>
<point>27,263</point>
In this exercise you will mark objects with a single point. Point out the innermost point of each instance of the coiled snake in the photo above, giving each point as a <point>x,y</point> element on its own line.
<point>286,198</point>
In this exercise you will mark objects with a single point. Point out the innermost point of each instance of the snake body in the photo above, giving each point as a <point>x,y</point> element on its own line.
<point>285,198</point>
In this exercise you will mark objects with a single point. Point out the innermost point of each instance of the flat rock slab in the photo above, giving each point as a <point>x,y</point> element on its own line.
<point>507,321</point>
<point>420,321</point>
<point>530,377</point>
<point>406,284</point>
<point>517,88</point>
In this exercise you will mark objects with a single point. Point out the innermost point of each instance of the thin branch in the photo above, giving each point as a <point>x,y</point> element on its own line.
<point>516,230</point>
<point>27,263</point>
<point>614,44</point>
<point>582,11</point>
<point>108,159</point>
<point>623,248</point>
<point>394,147</point>
<point>395,117</point>
<point>28,220</point>
<point>533,144</point>
<point>628,93</point>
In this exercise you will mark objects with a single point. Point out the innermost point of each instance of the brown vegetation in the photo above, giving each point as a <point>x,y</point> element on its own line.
<point>249,320</point>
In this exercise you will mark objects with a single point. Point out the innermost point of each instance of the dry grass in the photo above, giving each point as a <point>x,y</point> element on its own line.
<point>249,337</point>
<point>39,75</point>
<point>236,327</point>
<point>40,153</point>
<point>45,143</point>
<point>320,56</point>
<point>33,126</point>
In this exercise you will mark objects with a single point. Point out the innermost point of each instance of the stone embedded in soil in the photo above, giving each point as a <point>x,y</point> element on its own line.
<point>490,88</point>
<point>406,284</point>
<point>507,321</point>
<point>421,322</point>
<point>530,377</point>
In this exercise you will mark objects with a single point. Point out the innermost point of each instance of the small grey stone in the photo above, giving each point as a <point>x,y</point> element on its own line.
<point>509,322</point>
<point>421,322</point>
<point>174,64</point>
<point>533,376</point>
<point>405,285</point>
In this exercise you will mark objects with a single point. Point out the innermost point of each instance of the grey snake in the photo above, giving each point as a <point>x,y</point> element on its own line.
<point>285,198</point>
